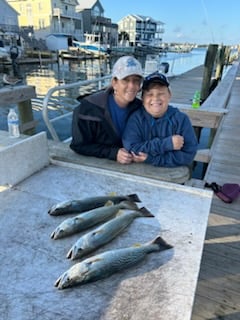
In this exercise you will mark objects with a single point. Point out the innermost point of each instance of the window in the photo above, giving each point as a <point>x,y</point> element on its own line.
<point>96,11</point>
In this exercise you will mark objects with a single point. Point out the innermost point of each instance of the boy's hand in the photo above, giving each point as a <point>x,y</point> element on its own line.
<point>178,142</point>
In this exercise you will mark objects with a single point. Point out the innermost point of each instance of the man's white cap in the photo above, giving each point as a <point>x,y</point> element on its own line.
<point>126,66</point>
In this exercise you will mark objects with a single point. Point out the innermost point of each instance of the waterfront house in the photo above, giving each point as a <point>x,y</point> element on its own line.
<point>141,30</point>
<point>95,23</point>
<point>8,20</point>
<point>46,17</point>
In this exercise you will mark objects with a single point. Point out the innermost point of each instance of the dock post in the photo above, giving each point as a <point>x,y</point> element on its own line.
<point>220,63</point>
<point>26,117</point>
<point>208,70</point>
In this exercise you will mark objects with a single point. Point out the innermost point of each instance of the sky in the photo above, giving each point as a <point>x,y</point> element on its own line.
<point>186,21</point>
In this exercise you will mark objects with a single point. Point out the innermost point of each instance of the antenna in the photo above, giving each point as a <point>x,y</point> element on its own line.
<point>207,19</point>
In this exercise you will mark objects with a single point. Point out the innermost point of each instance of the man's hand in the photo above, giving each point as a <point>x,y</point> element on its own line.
<point>124,157</point>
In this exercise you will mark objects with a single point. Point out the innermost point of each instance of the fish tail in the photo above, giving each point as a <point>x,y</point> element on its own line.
<point>129,205</point>
<point>163,245</point>
<point>145,212</point>
<point>133,197</point>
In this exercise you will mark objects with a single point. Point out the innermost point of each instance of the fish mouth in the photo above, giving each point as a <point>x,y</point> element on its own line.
<point>63,281</point>
<point>70,254</point>
<point>57,283</point>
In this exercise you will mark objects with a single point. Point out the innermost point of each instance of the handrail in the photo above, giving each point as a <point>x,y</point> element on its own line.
<point>50,92</point>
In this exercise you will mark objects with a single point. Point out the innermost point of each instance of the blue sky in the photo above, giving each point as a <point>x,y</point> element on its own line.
<point>194,21</point>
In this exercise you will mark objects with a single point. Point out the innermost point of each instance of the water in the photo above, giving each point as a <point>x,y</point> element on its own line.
<point>183,62</point>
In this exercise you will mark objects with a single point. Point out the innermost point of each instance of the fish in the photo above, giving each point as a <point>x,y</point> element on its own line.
<point>77,206</point>
<point>109,262</point>
<point>105,233</point>
<point>90,218</point>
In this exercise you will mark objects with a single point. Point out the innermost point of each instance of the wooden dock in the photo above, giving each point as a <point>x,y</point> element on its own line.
<point>218,289</point>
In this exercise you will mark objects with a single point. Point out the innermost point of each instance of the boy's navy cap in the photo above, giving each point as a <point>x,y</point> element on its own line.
<point>155,77</point>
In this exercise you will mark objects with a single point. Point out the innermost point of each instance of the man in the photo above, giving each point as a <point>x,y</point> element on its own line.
<point>99,121</point>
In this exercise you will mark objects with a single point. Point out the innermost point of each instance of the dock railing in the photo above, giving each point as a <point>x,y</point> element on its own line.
<point>99,84</point>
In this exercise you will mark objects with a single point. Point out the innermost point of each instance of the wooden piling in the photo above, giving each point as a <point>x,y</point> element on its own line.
<point>208,70</point>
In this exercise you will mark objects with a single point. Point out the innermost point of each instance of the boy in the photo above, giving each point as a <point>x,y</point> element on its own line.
<point>158,133</point>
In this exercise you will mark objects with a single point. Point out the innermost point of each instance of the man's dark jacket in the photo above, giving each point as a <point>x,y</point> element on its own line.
<point>93,132</point>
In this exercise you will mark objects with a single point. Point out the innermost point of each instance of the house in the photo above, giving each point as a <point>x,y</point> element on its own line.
<point>141,30</point>
<point>8,20</point>
<point>46,17</point>
<point>95,23</point>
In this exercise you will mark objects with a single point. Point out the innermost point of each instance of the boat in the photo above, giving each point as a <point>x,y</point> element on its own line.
<point>153,63</point>
<point>180,48</point>
<point>91,45</point>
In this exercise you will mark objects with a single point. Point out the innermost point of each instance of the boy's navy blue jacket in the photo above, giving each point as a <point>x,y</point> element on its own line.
<point>153,136</point>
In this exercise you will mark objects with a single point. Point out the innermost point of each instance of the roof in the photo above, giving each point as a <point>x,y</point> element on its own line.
<point>87,4</point>
<point>4,2</point>
<point>142,18</point>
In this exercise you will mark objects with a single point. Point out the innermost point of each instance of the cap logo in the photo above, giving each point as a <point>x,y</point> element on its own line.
<point>131,63</point>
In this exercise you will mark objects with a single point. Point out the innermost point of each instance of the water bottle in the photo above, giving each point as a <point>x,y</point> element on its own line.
<point>196,99</point>
<point>13,124</point>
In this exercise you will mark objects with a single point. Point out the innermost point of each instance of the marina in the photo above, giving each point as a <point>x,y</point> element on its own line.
<point>217,286</point>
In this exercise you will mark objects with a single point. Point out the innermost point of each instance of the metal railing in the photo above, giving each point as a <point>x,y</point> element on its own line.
<point>100,83</point>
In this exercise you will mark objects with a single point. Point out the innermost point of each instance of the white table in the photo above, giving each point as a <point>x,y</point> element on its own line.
<point>160,287</point>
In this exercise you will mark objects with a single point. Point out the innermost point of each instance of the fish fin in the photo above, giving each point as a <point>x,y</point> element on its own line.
<point>145,212</point>
<point>133,197</point>
<point>163,245</point>
<point>108,203</point>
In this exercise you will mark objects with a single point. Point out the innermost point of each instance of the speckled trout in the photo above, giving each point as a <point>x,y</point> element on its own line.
<point>105,233</point>
<point>90,218</point>
<point>77,206</point>
<point>105,264</point>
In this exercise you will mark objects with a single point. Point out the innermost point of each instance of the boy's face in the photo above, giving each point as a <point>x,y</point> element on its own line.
<point>156,100</point>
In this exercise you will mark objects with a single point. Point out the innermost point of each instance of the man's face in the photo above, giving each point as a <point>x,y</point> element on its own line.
<point>125,90</point>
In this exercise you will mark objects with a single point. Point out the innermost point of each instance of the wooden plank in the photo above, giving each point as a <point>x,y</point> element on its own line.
<point>206,308</point>
<point>204,118</point>
<point>203,155</point>
<point>16,94</point>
